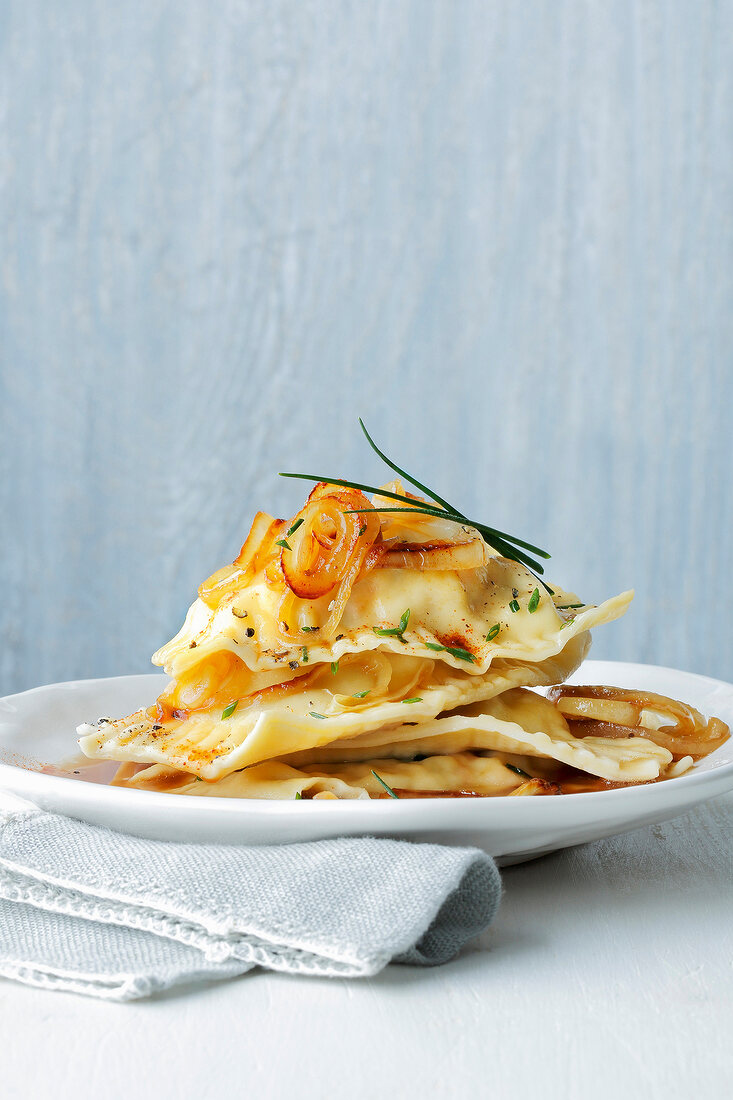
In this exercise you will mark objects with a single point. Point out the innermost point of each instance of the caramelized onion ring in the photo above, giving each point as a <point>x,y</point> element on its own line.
<point>421,541</point>
<point>329,544</point>
<point>398,554</point>
<point>256,549</point>
<point>601,710</point>
<point>618,712</point>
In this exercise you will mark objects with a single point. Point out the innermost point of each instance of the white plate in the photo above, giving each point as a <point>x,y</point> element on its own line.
<point>38,727</point>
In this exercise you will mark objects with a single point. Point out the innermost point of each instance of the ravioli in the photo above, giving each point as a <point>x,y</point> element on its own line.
<point>451,615</point>
<point>517,722</point>
<point>366,693</point>
<point>462,773</point>
<point>349,641</point>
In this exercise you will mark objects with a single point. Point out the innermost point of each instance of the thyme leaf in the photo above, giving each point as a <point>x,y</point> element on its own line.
<point>455,651</point>
<point>394,631</point>
<point>386,786</point>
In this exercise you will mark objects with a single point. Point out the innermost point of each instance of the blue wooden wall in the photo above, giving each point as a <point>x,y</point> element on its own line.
<point>500,231</point>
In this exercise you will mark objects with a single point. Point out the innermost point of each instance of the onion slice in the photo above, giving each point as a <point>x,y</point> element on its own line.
<point>399,554</point>
<point>256,549</point>
<point>602,711</point>
<point>330,543</point>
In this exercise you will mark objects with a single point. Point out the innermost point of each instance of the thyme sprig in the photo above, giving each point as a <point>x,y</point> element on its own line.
<point>509,546</point>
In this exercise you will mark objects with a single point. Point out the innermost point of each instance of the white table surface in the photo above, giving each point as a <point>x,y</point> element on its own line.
<point>609,972</point>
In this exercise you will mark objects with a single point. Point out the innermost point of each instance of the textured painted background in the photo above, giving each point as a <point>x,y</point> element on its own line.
<point>500,231</point>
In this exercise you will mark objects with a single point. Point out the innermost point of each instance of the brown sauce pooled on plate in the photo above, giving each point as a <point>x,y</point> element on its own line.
<point>432,794</point>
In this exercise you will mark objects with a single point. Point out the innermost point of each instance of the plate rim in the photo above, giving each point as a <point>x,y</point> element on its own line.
<point>407,808</point>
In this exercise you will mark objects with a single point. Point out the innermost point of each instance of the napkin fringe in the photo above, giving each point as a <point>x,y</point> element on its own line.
<point>125,987</point>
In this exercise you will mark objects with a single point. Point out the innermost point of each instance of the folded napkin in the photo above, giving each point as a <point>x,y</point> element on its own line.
<point>114,916</point>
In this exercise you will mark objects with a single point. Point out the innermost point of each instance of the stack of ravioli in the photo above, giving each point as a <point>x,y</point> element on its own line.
<point>350,653</point>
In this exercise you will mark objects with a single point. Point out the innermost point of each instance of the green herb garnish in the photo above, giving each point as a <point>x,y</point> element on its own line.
<point>493,632</point>
<point>282,542</point>
<point>298,795</point>
<point>514,606</point>
<point>229,711</point>
<point>309,629</point>
<point>568,622</point>
<point>415,699</point>
<point>362,529</point>
<point>334,667</point>
<point>314,715</point>
<point>517,771</point>
<point>534,601</point>
<point>567,606</point>
<point>460,654</point>
<point>361,694</point>
<point>394,631</point>
<point>305,655</point>
<point>294,527</point>
<point>386,786</point>
<point>507,545</point>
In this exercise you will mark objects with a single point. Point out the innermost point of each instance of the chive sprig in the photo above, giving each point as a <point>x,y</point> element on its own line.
<point>509,546</point>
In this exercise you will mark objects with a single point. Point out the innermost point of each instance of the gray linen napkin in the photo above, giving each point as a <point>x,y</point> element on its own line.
<point>114,916</point>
